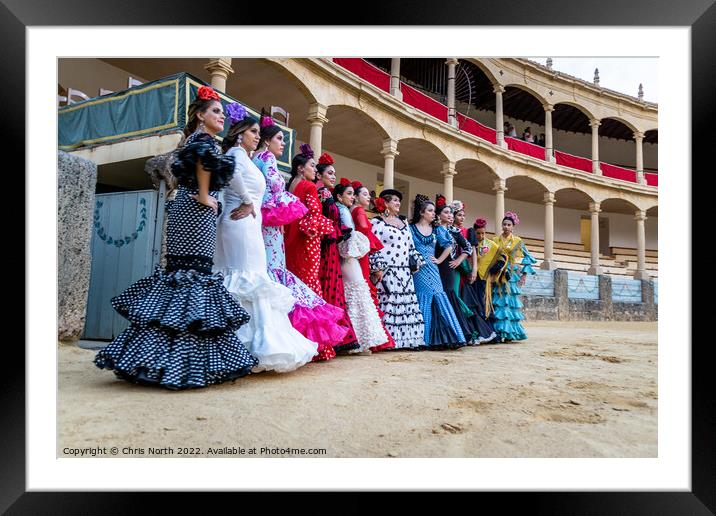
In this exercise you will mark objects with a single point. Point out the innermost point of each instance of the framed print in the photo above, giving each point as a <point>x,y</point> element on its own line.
<point>529,406</point>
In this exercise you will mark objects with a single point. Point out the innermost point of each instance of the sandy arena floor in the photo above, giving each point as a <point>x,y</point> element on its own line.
<point>574,389</point>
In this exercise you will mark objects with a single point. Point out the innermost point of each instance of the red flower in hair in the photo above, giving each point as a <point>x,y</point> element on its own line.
<point>356,185</point>
<point>440,201</point>
<point>207,93</point>
<point>325,159</point>
<point>345,182</point>
<point>480,223</point>
<point>379,204</point>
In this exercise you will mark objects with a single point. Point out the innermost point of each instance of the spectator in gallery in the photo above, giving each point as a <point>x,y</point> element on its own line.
<point>527,135</point>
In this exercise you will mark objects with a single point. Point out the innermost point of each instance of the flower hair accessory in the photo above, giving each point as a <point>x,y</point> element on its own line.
<point>379,204</point>
<point>457,206</point>
<point>267,121</point>
<point>236,112</point>
<point>356,185</point>
<point>513,217</point>
<point>345,182</point>
<point>325,193</point>
<point>440,201</point>
<point>480,223</point>
<point>207,93</point>
<point>306,150</point>
<point>325,159</point>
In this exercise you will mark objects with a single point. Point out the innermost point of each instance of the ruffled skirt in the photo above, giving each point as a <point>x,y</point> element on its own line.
<point>182,332</point>
<point>269,335</point>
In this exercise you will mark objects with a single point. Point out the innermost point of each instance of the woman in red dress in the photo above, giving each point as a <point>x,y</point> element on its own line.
<point>363,224</point>
<point>303,236</point>
<point>330,272</point>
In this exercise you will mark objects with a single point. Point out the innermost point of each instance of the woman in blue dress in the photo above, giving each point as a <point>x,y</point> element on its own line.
<point>442,328</point>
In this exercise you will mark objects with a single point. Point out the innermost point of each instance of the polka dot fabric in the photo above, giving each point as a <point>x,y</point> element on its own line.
<point>182,318</point>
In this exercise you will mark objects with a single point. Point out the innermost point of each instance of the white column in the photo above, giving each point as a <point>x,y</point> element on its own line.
<point>452,118</point>
<point>499,117</point>
<point>594,124</point>
<point>448,173</point>
<point>219,70</point>
<point>639,139</point>
<point>549,147</point>
<point>317,117</point>
<point>548,262</point>
<point>640,217</point>
<point>395,78</point>
<point>595,268</point>
<point>500,189</point>
<point>389,152</point>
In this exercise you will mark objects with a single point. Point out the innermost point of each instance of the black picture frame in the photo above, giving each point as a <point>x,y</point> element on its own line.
<point>700,15</point>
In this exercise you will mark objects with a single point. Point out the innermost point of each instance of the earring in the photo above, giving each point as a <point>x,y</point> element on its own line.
<point>239,139</point>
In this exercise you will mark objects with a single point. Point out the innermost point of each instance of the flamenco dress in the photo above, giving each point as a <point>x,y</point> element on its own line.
<point>442,327</point>
<point>361,309</point>
<point>316,319</point>
<point>183,320</point>
<point>363,225</point>
<point>398,302</point>
<point>506,292</point>
<point>240,257</point>
<point>330,273</point>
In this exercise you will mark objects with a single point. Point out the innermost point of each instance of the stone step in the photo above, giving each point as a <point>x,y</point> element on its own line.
<point>632,252</point>
<point>632,257</point>
<point>579,259</point>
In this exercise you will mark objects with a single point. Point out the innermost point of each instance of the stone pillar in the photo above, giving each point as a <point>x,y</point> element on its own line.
<point>639,139</point>
<point>605,297</point>
<point>594,124</point>
<point>548,262</point>
<point>640,217</point>
<point>389,152</point>
<point>647,298</point>
<point>595,268</point>
<point>452,117</point>
<point>549,147</point>
<point>500,190</point>
<point>219,69</point>
<point>395,78</point>
<point>317,117</point>
<point>76,182</point>
<point>561,294</point>
<point>499,117</point>
<point>448,173</point>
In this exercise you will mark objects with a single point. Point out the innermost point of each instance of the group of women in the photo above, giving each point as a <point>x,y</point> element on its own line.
<point>280,274</point>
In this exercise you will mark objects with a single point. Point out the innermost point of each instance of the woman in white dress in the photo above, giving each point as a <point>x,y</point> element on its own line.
<point>240,256</point>
<point>361,309</point>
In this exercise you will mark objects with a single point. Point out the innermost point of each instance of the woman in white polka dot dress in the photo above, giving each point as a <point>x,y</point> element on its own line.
<point>183,320</point>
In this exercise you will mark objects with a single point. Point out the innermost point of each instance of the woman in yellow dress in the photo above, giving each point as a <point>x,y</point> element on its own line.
<point>507,272</point>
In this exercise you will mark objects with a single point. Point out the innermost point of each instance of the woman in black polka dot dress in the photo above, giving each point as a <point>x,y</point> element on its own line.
<point>182,318</point>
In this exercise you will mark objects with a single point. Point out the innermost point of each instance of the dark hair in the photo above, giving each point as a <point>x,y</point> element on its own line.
<point>389,197</point>
<point>419,204</point>
<point>321,167</point>
<point>235,130</point>
<point>298,160</point>
<point>356,190</point>
<point>269,131</point>
<point>340,189</point>
<point>197,106</point>
<point>510,219</point>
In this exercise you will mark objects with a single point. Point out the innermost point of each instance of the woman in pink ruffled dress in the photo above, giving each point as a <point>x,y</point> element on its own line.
<point>312,316</point>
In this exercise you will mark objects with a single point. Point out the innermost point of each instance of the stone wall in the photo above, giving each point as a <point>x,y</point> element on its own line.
<point>561,308</point>
<point>77,179</point>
